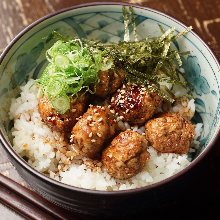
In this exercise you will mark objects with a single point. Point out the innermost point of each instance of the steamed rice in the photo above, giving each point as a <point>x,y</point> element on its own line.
<point>35,140</point>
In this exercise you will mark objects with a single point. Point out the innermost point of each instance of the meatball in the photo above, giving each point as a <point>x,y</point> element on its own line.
<point>62,122</point>
<point>109,82</point>
<point>92,130</point>
<point>126,156</point>
<point>134,104</point>
<point>170,133</point>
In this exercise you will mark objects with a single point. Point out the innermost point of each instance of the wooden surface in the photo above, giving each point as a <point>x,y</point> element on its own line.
<point>203,15</point>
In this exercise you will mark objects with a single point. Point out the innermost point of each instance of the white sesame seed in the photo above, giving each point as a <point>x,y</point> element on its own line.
<point>91,124</point>
<point>90,134</point>
<point>127,110</point>
<point>112,99</point>
<point>112,111</point>
<point>100,119</point>
<point>93,140</point>
<point>89,118</point>
<point>98,134</point>
<point>109,155</point>
<point>121,101</point>
<point>73,110</point>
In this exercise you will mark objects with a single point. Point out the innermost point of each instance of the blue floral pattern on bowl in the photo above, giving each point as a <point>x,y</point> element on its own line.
<point>193,75</point>
<point>26,58</point>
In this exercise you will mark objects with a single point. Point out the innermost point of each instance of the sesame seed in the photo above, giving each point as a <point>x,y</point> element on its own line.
<point>93,140</point>
<point>99,135</point>
<point>112,99</point>
<point>90,134</point>
<point>89,118</point>
<point>127,110</point>
<point>100,119</point>
<point>73,110</point>
<point>109,155</point>
<point>112,111</point>
<point>132,106</point>
<point>121,101</point>
<point>91,124</point>
<point>95,110</point>
<point>71,138</point>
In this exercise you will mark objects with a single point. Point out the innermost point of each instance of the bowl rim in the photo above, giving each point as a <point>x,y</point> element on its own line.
<point>56,183</point>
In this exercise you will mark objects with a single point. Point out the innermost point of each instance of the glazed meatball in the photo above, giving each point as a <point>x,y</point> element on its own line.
<point>170,133</point>
<point>62,122</point>
<point>92,130</point>
<point>134,104</point>
<point>109,82</point>
<point>126,156</point>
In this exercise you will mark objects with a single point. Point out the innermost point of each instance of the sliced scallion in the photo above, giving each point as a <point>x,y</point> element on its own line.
<point>61,104</point>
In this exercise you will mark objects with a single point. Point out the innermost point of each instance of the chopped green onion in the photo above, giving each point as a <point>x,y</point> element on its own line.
<point>61,104</point>
<point>74,64</point>
<point>61,61</point>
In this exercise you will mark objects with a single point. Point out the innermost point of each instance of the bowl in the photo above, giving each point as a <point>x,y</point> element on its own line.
<point>24,58</point>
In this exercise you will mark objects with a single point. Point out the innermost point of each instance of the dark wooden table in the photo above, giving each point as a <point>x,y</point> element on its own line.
<point>203,15</point>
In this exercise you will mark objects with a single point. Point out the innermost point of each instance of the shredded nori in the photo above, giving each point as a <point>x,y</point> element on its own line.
<point>148,62</point>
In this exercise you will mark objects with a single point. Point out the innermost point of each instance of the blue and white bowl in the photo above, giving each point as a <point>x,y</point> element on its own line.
<point>24,58</point>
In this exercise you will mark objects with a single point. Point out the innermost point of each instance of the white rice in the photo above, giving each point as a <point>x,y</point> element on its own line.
<point>33,139</point>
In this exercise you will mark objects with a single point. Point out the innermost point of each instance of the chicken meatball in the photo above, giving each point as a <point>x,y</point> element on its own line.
<point>170,133</point>
<point>62,122</point>
<point>109,82</point>
<point>126,156</point>
<point>132,103</point>
<point>92,130</point>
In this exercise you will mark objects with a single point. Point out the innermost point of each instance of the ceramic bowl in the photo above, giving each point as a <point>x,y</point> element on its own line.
<point>24,58</point>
